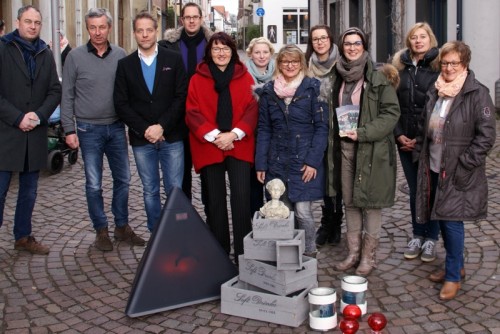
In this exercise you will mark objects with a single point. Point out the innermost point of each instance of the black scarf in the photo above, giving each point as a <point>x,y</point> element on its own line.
<point>192,43</point>
<point>29,49</point>
<point>224,104</point>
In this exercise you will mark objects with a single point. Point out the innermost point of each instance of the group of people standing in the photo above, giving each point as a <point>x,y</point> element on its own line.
<point>270,118</point>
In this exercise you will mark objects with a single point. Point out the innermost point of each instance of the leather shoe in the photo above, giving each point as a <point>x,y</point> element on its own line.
<point>438,276</point>
<point>449,290</point>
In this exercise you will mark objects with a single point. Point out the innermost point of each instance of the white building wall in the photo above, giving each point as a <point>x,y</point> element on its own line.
<point>274,16</point>
<point>480,32</point>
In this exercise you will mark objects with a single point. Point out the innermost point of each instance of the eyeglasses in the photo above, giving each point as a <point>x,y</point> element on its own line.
<point>452,63</point>
<point>356,44</point>
<point>321,39</point>
<point>191,18</point>
<point>219,50</point>
<point>294,63</point>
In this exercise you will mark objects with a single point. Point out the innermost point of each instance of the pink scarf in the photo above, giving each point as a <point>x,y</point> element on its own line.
<point>450,89</point>
<point>286,90</point>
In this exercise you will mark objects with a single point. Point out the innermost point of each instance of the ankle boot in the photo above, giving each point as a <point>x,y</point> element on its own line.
<point>325,230</point>
<point>354,245</point>
<point>367,262</point>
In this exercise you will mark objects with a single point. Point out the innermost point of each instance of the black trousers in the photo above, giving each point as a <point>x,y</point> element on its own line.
<point>187,180</point>
<point>213,186</point>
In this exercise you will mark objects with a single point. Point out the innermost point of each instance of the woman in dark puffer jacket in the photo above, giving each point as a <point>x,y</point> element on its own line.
<point>418,69</point>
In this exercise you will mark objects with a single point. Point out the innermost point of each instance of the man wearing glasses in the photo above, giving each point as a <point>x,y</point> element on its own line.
<point>190,40</point>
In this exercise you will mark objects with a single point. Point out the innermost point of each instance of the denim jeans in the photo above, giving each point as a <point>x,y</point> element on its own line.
<point>453,238</point>
<point>305,220</point>
<point>429,230</point>
<point>170,157</point>
<point>28,184</point>
<point>97,141</point>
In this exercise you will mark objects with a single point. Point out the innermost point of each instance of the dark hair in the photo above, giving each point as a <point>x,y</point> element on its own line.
<point>145,15</point>
<point>191,4</point>
<point>462,49</point>
<point>2,24</point>
<point>23,9</point>
<point>352,31</point>
<point>310,50</point>
<point>223,39</point>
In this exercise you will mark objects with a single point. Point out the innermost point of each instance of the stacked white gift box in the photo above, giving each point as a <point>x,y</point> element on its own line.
<point>274,275</point>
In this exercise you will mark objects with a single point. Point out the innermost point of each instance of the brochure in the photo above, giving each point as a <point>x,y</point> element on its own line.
<point>347,117</point>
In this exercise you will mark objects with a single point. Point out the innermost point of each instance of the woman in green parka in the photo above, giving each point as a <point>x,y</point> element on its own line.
<point>368,170</point>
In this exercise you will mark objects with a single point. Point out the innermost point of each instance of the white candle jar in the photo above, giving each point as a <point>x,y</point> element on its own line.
<point>354,292</point>
<point>322,314</point>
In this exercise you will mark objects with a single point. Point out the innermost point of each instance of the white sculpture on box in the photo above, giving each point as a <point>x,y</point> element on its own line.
<point>275,208</point>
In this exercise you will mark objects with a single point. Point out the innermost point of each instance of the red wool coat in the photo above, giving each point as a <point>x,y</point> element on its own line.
<point>201,112</point>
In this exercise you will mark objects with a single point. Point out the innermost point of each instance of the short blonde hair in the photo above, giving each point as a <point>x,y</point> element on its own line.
<point>259,40</point>
<point>293,51</point>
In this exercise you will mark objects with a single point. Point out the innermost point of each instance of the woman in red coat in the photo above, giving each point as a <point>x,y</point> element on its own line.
<point>221,114</point>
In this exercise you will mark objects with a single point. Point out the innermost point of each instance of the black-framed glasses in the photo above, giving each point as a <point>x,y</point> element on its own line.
<point>321,39</point>
<point>356,44</point>
<point>191,18</point>
<point>294,63</point>
<point>453,64</point>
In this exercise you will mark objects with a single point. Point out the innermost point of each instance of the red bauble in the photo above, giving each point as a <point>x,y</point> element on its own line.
<point>377,322</point>
<point>349,326</point>
<point>352,311</point>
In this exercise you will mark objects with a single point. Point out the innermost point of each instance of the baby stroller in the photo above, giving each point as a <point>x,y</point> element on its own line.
<point>57,145</point>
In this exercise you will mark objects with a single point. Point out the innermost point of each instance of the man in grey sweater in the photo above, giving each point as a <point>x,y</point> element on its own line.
<point>88,82</point>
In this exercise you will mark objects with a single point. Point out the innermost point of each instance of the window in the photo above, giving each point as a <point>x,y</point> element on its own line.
<point>295,26</point>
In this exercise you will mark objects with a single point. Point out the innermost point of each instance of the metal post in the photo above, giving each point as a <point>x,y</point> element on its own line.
<point>56,32</point>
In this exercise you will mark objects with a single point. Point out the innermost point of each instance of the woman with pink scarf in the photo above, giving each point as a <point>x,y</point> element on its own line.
<point>458,132</point>
<point>292,137</point>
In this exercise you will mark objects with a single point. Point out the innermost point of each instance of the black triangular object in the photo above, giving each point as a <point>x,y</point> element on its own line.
<point>183,264</point>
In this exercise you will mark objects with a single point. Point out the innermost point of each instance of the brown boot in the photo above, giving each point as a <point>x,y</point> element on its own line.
<point>31,245</point>
<point>354,245</point>
<point>449,290</point>
<point>102,240</point>
<point>438,276</point>
<point>125,233</point>
<point>367,262</point>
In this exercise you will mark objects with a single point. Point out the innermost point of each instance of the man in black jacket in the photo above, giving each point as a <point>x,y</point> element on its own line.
<point>190,40</point>
<point>29,93</point>
<point>150,96</point>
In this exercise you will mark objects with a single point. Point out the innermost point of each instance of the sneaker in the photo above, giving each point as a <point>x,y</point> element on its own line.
<point>125,233</point>
<point>428,251</point>
<point>414,248</point>
<point>102,240</point>
<point>31,245</point>
<point>312,254</point>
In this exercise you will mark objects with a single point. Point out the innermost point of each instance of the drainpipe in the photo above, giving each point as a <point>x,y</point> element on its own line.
<point>459,20</point>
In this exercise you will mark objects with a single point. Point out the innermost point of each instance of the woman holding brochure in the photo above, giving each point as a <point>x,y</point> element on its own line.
<point>369,110</point>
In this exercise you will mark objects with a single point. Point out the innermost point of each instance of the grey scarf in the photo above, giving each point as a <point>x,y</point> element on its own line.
<point>321,68</point>
<point>352,70</point>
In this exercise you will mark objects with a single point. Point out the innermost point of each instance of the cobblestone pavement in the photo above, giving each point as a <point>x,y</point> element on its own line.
<point>78,289</point>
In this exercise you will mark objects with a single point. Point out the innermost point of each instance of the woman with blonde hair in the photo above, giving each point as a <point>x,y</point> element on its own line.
<point>418,67</point>
<point>292,135</point>
<point>260,63</point>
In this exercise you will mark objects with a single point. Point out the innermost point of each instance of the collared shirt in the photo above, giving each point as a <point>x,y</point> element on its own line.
<point>148,60</point>
<point>91,48</point>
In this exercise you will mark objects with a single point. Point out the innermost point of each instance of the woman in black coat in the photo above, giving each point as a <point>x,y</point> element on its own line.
<point>418,69</point>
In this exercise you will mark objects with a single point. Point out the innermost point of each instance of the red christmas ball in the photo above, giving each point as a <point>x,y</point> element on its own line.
<point>352,311</point>
<point>377,321</point>
<point>349,326</point>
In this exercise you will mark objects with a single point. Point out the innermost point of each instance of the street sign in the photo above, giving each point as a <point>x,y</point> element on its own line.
<point>260,11</point>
